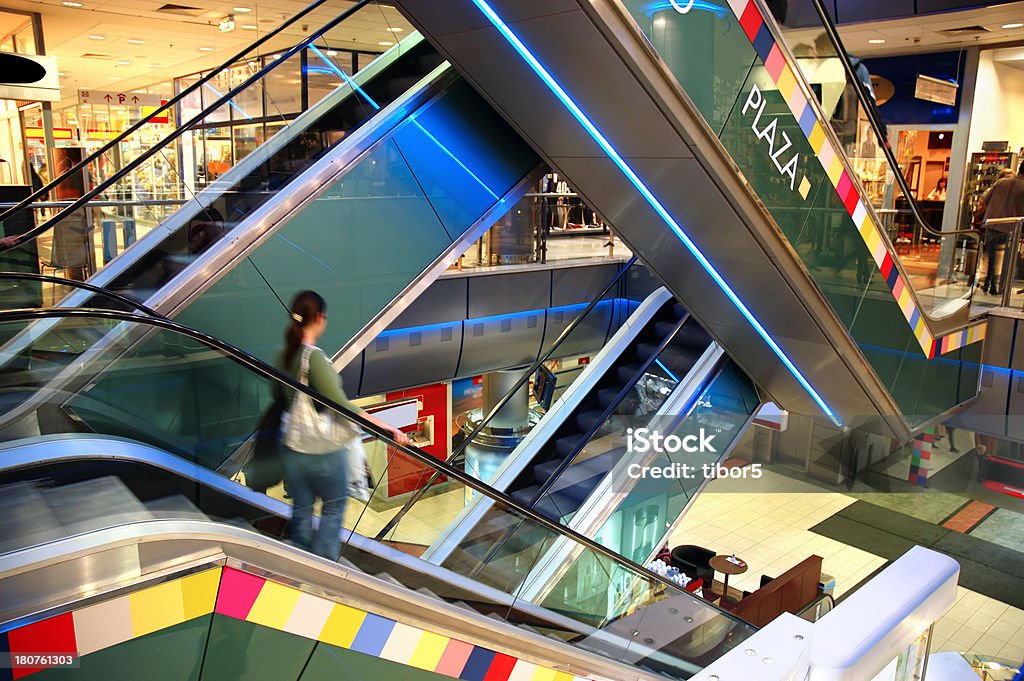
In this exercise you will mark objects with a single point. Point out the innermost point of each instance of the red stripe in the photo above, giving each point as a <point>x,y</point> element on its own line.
<point>887,265</point>
<point>52,635</point>
<point>751,21</point>
<point>501,668</point>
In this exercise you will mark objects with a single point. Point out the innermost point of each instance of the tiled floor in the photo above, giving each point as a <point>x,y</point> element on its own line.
<point>766,522</point>
<point>1002,527</point>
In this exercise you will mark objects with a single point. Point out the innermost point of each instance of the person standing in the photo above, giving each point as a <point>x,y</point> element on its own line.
<point>1004,199</point>
<point>308,476</point>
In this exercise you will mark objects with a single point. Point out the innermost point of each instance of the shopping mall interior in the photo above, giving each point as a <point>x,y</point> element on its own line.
<point>512,340</point>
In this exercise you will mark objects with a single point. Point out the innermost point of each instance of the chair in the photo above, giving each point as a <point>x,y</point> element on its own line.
<point>694,561</point>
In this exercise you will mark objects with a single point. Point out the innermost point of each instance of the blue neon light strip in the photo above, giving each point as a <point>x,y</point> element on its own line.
<point>348,79</point>
<point>666,370</point>
<point>649,196</point>
<point>230,102</point>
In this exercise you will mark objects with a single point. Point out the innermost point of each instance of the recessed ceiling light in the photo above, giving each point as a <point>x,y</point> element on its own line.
<point>69,3</point>
<point>206,49</point>
<point>249,27</point>
<point>242,10</point>
<point>135,41</point>
<point>97,37</point>
<point>385,43</point>
<point>1013,25</point>
<point>395,29</point>
<point>331,53</point>
<point>277,56</point>
<point>124,63</point>
<point>876,41</point>
<point>61,74</point>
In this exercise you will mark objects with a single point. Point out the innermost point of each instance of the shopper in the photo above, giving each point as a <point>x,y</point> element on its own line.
<point>939,193</point>
<point>1004,199</point>
<point>309,475</point>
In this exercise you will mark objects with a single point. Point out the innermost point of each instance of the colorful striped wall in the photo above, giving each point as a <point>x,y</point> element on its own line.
<point>846,186</point>
<point>244,596</point>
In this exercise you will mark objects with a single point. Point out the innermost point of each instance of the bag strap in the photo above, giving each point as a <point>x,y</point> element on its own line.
<point>304,365</point>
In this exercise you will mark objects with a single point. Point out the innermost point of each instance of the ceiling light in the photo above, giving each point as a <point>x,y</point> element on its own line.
<point>61,74</point>
<point>69,3</point>
<point>277,56</point>
<point>331,53</point>
<point>206,49</point>
<point>97,37</point>
<point>242,10</point>
<point>876,41</point>
<point>395,30</point>
<point>124,63</point>
<point>135,41</point>
<point>385,43</point>
<point>1013,25</point>
<point>249,27</point>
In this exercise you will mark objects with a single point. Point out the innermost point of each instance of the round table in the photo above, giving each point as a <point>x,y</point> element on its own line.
<point>726,567</point>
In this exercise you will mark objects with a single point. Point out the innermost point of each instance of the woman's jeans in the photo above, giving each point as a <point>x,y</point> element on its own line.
<point>308,476</point>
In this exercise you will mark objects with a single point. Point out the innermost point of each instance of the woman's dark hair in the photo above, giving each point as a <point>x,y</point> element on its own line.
<point>307,306</point>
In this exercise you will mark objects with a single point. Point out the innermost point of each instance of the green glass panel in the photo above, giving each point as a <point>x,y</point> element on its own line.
<point>374,230</point>
<point>243,651</point>
<point>705,49</point>
<point>171,654</point>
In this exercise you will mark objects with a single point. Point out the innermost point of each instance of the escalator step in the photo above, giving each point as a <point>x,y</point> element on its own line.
<point>543,471</point>
<point>679,310</point>
<point>693,337</point>
<point>177,507</point>
<point>588,419</point>
<point>626,372</point>
<point>565,446</point>
<point>645,350</point>
<point>525,496</point>
<point>605,396</point>
<point>662,329</point>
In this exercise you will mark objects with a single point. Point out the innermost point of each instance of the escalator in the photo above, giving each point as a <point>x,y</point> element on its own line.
<point>367,196</point>
<point>144,521</point>
<point>728,179</point>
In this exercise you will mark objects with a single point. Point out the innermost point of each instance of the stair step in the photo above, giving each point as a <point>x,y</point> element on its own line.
<point>178,507</point>
<point>678,310</point>
<point>567,445</point>
<point>27,519</point>
<point>588,419</point>
<point>692,337</point>
<point>645,350</point>
<point>662,329</point>
<point>605,396</point>
<point>94,504</point>
<point>626,372</point>
<point>543,471</point>
<point>525,495</point>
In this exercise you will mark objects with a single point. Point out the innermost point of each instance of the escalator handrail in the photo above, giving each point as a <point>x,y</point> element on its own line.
<point>273,374</point>
<point>185,127</point>
<point>866,103</point>
<point>609,410</point>
<point>461,448</point>
<point>166,106</point>
<point>72,283</point>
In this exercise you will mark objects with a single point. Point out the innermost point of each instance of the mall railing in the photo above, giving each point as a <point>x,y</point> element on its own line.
<point>171,387</point>
<point>255,181</point>
<point>457,455</point>
<point>1002,283</point>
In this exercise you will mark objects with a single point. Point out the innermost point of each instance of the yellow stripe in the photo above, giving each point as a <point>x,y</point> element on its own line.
<point>156,608</point>
<point>787,82</point>
<point>274,605</point>
<point>199,593</point>
<point>544,674</point>
<point>429,651</point>
<point>835,171</point>
<point>817,138</point>
<point>342,626</point>
<point>563,676</point>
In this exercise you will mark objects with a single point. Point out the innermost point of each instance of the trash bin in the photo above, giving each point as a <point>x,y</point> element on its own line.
<point>827,585</point>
